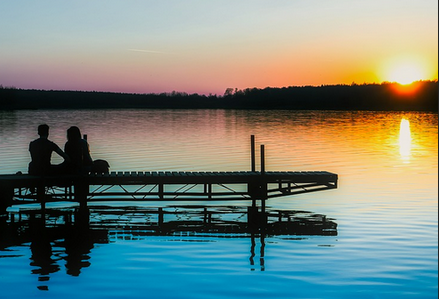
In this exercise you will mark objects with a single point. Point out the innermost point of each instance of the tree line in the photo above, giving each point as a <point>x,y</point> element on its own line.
<point>419,96</point>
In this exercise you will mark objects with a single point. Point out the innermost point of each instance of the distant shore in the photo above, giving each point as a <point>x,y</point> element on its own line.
<point>419,96</point>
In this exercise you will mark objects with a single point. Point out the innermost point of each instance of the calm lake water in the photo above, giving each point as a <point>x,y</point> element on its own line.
<point>385,208</point>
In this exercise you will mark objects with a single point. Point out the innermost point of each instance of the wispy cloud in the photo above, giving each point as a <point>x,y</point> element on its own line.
<point>147,51</point>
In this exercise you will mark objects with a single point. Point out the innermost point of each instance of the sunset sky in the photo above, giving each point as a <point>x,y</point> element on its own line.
<point>200,46</point>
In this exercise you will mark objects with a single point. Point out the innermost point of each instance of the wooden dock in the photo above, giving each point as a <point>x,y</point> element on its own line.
<point>164,186</point>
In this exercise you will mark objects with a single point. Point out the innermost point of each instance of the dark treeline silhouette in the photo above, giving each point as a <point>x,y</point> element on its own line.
<point>419,96</point>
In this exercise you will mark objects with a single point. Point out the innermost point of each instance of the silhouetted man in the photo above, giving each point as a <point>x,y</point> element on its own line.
<point>41,152</point>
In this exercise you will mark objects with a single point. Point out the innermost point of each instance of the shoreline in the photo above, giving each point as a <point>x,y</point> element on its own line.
<point>419,96</point>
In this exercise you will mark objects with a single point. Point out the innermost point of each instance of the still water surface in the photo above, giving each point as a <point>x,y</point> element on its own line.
<point>386,207</point>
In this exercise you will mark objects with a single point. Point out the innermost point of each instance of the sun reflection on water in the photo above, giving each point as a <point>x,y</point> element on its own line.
<point>405,140</point>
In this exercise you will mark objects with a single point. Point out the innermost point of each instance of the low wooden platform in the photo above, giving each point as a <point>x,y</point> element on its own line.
<point>176,185</point>
<point>164,186</point>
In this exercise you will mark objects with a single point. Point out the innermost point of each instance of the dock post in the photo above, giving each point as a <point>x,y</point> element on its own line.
<point>161,190</point>
<point>81,190</point>
<point>6,196</point>
<point>263,184</point>
<point>253,153</point>
<point>207,189</point>
<point>253,189</point>
<point>252,218</point>
<point>41,195</point>
<point>82,218</point>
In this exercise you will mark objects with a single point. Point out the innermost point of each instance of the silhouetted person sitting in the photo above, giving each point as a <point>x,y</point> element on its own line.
<point>41,152</point>
<point>78,151</point>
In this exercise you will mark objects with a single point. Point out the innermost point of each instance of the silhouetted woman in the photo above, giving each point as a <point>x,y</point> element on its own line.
<point>78,151</point>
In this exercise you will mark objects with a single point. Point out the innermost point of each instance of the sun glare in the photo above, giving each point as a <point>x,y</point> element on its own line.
<point>406,74</point>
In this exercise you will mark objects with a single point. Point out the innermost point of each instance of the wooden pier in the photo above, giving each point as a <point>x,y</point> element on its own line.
<point>164,186</point>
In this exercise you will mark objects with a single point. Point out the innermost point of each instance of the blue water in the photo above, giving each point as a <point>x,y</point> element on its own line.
<point>385,207</point>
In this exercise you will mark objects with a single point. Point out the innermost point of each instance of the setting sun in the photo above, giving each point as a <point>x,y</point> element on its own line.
<point>406,74</point>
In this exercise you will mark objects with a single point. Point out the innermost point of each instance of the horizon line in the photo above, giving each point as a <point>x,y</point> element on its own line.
<point>234,89</point>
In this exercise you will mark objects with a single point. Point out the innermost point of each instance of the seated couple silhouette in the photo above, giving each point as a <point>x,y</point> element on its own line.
<point>76,155</point>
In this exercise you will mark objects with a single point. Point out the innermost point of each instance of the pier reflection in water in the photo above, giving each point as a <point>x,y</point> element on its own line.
<point>58,236</point>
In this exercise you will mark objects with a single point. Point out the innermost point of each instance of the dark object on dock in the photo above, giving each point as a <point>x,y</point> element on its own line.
<point>100,167</point>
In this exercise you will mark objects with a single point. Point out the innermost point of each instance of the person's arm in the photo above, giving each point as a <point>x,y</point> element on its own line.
<point>61,153</point>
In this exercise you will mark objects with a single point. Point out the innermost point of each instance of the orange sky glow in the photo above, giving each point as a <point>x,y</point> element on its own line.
<point>205,47</point>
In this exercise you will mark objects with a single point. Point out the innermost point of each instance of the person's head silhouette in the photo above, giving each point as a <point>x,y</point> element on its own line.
<point>43,130</point>
<point>73,133</point>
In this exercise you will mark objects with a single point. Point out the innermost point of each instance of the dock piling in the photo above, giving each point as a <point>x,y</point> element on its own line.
<point>41,195</point>
<point>263,186</point>
<point>6,197</point>
<point>253,153</point>
<point>81,190</point>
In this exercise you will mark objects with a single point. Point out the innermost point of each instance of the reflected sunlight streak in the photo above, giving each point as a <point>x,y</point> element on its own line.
<point>405,140</point>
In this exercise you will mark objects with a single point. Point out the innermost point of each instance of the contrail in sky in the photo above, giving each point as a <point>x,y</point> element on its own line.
<point>147,51</point>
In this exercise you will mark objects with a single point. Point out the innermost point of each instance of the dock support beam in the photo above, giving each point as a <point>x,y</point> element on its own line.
<point>6,196</point>
<point>81,190</point>
<point>263,184</point>
<point>161,190</point>
<point>253,153</point>
<point>41,195</point>
<point>257,220</point>
<point>257,188</point>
